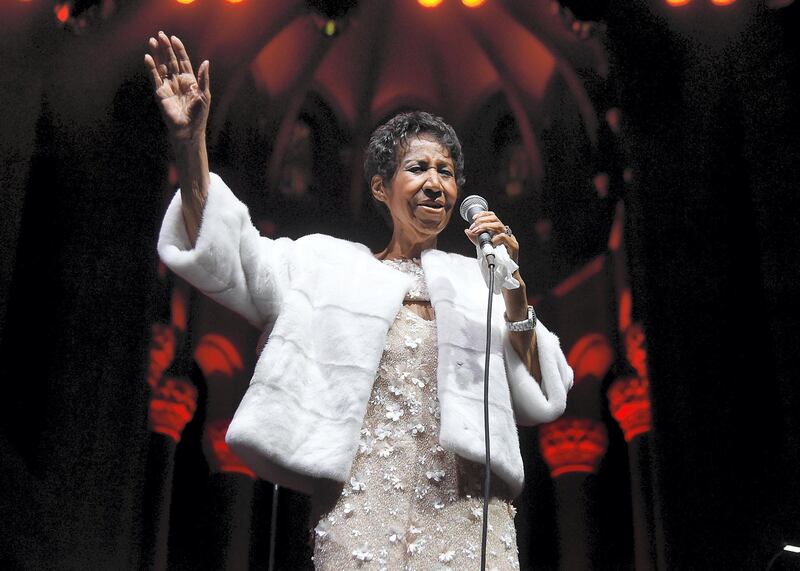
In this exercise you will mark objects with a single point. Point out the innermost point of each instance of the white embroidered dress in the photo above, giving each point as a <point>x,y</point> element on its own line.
<point>410,504</point>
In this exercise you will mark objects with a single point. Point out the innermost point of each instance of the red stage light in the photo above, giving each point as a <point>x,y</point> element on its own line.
<point>62,12</point>
<point>215,354</point>
<point>472,3</point>
<point>677,2</point>
<point>185,1</point>
<point>722,2</point>
<point>429,3</point>
<point>590,357</point>
<point>234,1</point>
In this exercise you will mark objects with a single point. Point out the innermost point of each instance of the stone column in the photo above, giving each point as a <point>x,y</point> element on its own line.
<point>231,494</point>
<point>173,402</point>
<point>224,352</point>
<point>573,449</point>
<point>629,404</point>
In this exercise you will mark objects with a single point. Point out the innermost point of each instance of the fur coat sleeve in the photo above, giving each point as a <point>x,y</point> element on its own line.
<point>230,262</point>
<point>538,400</point>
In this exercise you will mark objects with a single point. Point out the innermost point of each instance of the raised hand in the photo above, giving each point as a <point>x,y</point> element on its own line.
<point>184,101</point>
<point>183,98</point>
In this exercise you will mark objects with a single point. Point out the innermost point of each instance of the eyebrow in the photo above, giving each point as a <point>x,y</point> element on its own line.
<point>446,161</point>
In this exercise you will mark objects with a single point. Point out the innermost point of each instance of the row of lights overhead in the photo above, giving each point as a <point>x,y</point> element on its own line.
<point>435,3</point>
<point>192,1</point>
<point>686,2</point>
<point>423,3</point>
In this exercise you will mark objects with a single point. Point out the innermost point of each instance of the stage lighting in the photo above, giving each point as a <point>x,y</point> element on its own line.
<point>62,12</point>
<point>787,558</point>
<point>78,15</point>
<point>473,3</point>
<point>329,29</point>
<point>429,3</point>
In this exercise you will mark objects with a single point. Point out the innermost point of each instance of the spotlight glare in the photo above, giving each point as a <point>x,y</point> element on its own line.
<point>234,1</point>
<point>185,1</point>
<point>722,2</point>
<point>62,12</point>
<point>677,2</point>
<point>792,548</point>
<point>429,3</point>
<point>473,3</point>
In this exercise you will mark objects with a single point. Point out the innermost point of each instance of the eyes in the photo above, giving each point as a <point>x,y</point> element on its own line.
<point>418,168</point>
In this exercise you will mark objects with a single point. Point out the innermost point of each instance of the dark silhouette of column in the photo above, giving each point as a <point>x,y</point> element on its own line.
<point>629,404</point>
<point>173,403</point>
<point>573,449</point>
<point>231,495</point>
<point>225,351</point>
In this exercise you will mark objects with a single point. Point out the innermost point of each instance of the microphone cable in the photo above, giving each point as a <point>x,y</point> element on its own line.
<point>487,474</point>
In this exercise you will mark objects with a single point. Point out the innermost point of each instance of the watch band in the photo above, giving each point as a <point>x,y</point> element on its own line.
<point>525,324</point>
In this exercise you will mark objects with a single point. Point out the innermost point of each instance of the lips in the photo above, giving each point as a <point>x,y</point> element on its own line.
<point>432,205</point>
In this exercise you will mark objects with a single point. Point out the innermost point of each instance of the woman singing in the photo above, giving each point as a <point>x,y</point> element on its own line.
<point>368,394</point>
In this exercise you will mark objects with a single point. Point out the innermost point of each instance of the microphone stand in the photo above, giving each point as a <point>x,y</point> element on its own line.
<point>487,463</point>
<point>273,525</point>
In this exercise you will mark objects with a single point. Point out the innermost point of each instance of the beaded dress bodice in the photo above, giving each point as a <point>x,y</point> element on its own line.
<point>409,504</point>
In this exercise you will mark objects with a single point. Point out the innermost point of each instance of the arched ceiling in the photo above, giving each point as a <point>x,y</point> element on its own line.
<point>395,53</point>
<point>388,53</point>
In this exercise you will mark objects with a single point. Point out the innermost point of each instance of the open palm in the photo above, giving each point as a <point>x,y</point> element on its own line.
<point>183,98</point>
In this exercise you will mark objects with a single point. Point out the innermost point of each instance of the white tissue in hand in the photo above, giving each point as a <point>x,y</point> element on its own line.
<point>504,268</point>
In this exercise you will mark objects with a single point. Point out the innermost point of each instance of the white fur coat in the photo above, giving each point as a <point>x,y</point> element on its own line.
<point>327,305</point>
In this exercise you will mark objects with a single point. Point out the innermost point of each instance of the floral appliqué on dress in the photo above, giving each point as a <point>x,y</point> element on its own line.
<point>410,504</point>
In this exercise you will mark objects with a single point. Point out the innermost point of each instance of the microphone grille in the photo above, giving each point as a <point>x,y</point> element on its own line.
<point>471,201</point>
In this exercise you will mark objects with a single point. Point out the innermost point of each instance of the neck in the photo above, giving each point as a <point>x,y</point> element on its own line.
<point>404,246</point>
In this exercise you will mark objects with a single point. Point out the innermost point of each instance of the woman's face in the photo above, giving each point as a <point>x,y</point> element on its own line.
<point>423,191</point>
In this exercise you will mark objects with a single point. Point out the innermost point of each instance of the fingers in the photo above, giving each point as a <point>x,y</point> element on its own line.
<point>484,216</point>
<point>184,63</point>
<point>168,53</point>
<point>503,238</point>
<point>204,78</point>
<point>510,242</point>
<point>487,222</point>
<point>155,77</point>
<point>157,57</point>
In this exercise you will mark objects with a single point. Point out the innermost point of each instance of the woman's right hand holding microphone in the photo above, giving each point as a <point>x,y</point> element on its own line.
<point>184,101</point>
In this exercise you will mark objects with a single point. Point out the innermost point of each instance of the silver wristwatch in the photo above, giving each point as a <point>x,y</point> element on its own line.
<point>525,324</point>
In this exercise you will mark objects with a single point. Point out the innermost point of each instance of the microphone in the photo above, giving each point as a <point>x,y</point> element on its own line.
<point>471,206</point>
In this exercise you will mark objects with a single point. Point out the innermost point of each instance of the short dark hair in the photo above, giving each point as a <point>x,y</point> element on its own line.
<point>390,139</point>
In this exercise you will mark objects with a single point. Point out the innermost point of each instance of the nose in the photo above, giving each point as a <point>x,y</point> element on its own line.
<point>434,182</point>
<point>432,192</point>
